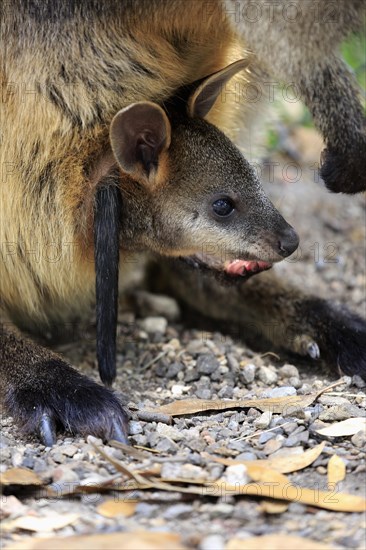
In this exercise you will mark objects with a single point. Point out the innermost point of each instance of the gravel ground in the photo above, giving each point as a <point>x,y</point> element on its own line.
<point>160,361</point>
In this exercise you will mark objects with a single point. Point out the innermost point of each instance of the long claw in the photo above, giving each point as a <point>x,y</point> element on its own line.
<point>47,430</point>
<point>120,432</point>
<point>313,350</point>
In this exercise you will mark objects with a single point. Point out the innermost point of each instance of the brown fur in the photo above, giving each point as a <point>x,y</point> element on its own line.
<point>58,103</point>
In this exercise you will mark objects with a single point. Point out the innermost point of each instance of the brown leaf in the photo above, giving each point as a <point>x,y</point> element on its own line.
<point>345,428</point>
<point>135,540</point>
<point>336,470</point>
<point>278,405</point>
<point>275,542</point>
<point>113,508</point>
<point>51,522</point>
<point>285,465</point>
<point>274,506</point>
<point>20,476</point>
<point>329,500</point>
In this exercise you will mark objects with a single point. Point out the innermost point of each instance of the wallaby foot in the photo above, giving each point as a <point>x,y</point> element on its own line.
<point>44,394</point>
<point>343,173</point>
<point>267,309</point>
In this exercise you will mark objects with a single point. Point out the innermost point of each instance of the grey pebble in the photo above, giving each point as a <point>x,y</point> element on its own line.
<point>178,511</point>
<point>173,370</point>
<point>263,421</point>
<point>295,439</point>
<point>154,324</point>
<point>358,381</point>
<point>203,393</point>
<point>134,427</point>
<point>288,371</point>
<point>263,438</point>
<point>359,439</point>
<point>207,364</point>
<point>247,374</point>
<point>272,446</point>
<point>266,375</point>
<point>282,391</point>
<point>192,375</point>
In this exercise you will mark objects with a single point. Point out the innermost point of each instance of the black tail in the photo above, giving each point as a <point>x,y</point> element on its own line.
<point>107,216</point>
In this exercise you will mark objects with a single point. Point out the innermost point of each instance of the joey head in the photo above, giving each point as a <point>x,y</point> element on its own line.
<point>188,191</point>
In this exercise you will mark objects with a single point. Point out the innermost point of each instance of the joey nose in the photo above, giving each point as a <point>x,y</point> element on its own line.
<point>288,242</point>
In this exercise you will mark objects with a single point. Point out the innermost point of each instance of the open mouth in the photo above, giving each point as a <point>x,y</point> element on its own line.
<point>228,271</point>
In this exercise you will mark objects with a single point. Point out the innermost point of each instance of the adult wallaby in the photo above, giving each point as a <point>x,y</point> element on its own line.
<point>158,177</point>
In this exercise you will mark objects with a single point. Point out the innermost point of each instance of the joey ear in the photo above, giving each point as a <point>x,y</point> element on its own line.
<point>203,98</point>
<point>139,134</point>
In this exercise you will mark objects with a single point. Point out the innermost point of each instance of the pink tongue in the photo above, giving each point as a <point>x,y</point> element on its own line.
<point>240,267</point>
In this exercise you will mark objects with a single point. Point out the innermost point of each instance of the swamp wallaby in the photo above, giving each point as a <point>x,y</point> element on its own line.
<point>159,175</point>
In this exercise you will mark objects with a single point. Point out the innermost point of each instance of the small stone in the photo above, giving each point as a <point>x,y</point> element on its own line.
<point>283,391</point>
<point>236,473</point>
<point>192,375</point>
<point>341,412</point>
<point>175,470</point>
<point>272,446</point>
<point>358,381</point>
<point>212,542</point>
<point>28,462</point>
<point>69,450</point>
<point>288,371</point>
<point>247,374</point>
<point>267,376</point>
<point>169,431</point>
<point>154,324</point>
<point>359,439</point>
<point>263,438</point>
<point>135,427</point>
<point>295,439</point>
<point>295,382</point>
<point>166,446</point>
<point>64,474</point>
<point>148,304</point>
<point>178,511</point>
<point>263,421</point>
<point>146,509</point>
<point>289,428</point>
<point>173,369</point>
<point>226,392</point>
<point>4,442</point>
<point>203,393</point>
<point>246,456</point>
<point>207,364</point>
<point>321,470</point>
<point>178,390</point>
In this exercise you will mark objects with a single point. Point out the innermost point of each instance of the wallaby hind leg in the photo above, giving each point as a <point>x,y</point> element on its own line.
<point>296,43</point>
<point>42,392</point>
<point>264,305</point>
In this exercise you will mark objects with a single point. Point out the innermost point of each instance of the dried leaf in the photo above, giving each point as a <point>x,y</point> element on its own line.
<point>274,506</point>
<point>20,476</point>
<point>278,405</point>
<point>135,540</point>
<point>275,542</point>
<point>345,428</point>
<point>113,508</point>
<point>336,470</point>
<point>258,472</point>
<point>329,500</point>
<point>285,465</point>
<point>51,522</point>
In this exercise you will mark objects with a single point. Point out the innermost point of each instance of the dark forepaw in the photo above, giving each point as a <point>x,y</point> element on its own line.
<point>341,336</point>
<point>62,399</point>
<point>343,173</point>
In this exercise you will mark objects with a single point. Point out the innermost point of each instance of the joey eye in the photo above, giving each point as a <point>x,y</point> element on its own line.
<point>223,207</point>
